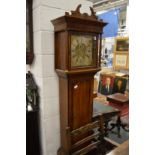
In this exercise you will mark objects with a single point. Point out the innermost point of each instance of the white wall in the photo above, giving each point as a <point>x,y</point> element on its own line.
<point>43,66</point>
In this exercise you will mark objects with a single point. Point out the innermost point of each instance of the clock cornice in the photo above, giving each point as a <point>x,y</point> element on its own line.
<point>78,21</point>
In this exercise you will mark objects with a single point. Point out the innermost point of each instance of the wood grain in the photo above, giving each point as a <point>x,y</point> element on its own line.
<point>75,84</point>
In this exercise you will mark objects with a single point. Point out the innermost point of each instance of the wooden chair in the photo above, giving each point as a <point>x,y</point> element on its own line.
<point>91,142</point>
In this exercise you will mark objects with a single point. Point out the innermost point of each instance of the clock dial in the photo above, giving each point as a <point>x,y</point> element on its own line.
<point>81,50</point>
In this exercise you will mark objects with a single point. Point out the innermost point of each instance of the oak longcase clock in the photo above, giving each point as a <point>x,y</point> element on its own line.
<point>77,59</point>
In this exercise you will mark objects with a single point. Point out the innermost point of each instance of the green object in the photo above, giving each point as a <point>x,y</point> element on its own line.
<point>102,108</point>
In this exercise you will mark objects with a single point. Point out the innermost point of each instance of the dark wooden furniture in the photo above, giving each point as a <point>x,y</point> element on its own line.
<point>106,111</point>
<point>123,149</point>
<point>32,95</point>
<point>118,98</point>
<point>77,59</point>
<point>32,117</point>
<point>90,144</point>
<point>29,32</point>
<point>122,100</point>
<point>32,133</point>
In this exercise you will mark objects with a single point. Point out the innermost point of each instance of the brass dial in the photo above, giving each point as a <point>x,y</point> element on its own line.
<point>81,50</point>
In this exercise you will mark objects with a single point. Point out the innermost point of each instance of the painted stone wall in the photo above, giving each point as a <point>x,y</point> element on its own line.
<point>43,67</point>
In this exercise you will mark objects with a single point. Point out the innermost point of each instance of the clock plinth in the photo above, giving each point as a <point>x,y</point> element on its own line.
<point>77,59</point>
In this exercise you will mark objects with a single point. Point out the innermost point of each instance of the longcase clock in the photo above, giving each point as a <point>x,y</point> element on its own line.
<point>77,59</point>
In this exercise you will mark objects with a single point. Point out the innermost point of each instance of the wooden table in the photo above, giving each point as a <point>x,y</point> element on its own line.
<point>107,111</point>
<point>120,99</point>
<point>123,149</point>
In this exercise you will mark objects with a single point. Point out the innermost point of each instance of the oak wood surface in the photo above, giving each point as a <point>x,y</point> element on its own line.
<point>75,84</point>
<point>88,142</point>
